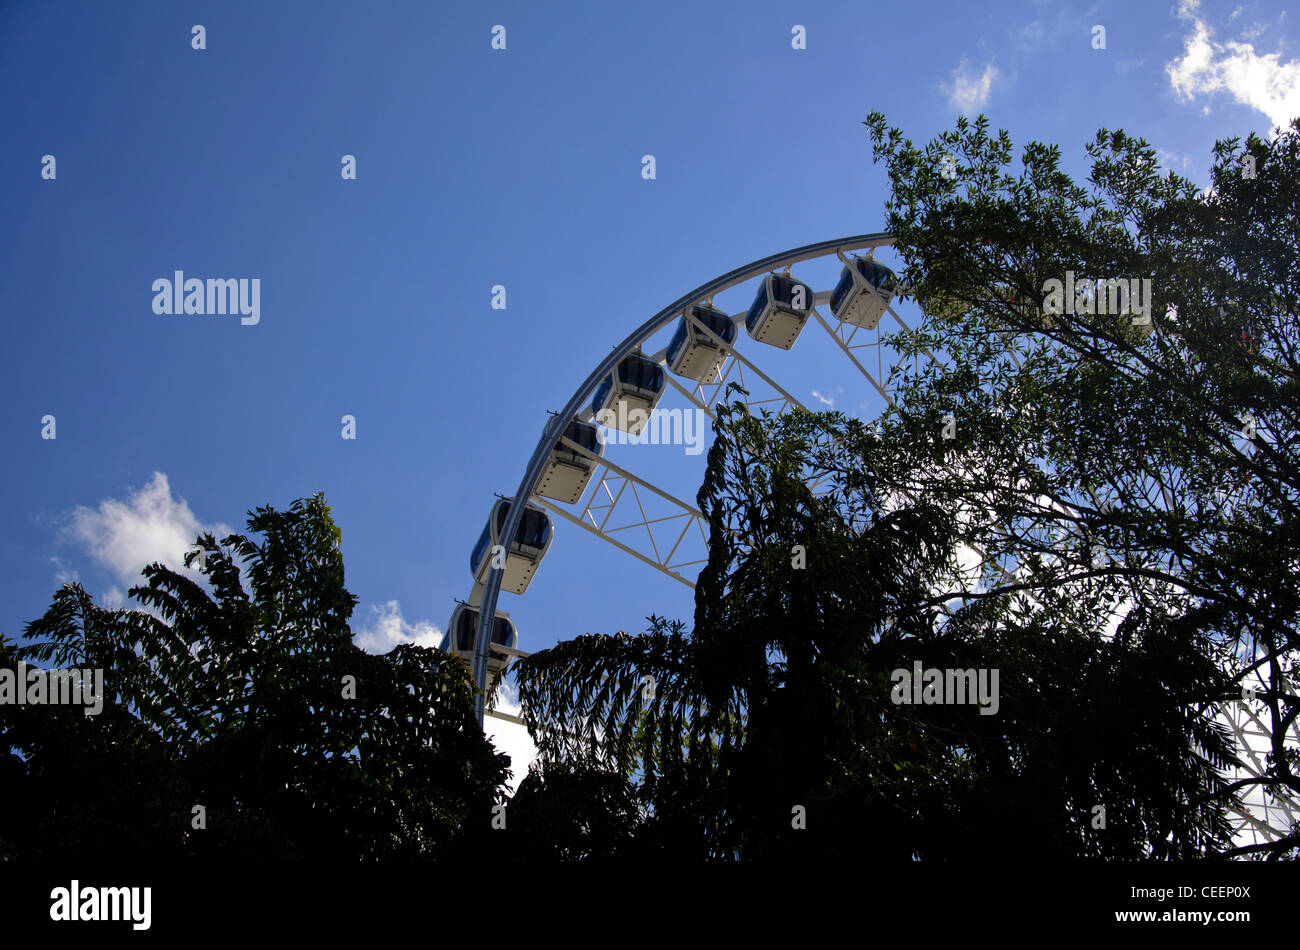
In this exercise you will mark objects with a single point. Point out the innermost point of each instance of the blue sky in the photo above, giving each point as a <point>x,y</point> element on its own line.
<point>475,167</point>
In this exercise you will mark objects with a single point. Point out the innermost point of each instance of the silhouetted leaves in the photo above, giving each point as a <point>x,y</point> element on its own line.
<point>235,700</point>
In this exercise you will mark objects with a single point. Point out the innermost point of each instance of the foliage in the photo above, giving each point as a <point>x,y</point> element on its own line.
<point>239,700</point>
<point>1170,454</point>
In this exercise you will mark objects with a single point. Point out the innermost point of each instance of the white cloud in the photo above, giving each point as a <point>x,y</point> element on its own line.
<point>124,536</point>
<point>1259,81</point>
<point>511,738</point>
<point>1031,36</point>
<point>1054,22</point>
<point>823,400</point>
<point>388,629</point>
<point>64,575</point>
<point>968,92</point>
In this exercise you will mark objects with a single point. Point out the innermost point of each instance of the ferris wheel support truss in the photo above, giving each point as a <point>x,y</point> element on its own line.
<point>1263,818</point>
<point>597,517</point>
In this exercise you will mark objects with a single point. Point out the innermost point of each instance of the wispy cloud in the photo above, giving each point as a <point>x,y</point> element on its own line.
<point>1031,36</point>
<point>1207,68</point>
<point>825,401</point>
<point>1054,23</point>
<point>64,575</point>
<point>1174,159</point>
<point>968,91</point>
<point>388,629</point>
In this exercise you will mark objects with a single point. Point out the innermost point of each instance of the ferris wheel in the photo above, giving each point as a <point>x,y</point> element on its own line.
<point>637,387</point>
<point>626,392</point>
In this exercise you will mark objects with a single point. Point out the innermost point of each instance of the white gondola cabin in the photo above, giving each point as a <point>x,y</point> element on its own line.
<point>523,556</point>
<point>462,630</point>
<point>567,472</point>
<point>626,398</point>
<point>865,289</point>
<point>779,311</point>
<point>692,352</point>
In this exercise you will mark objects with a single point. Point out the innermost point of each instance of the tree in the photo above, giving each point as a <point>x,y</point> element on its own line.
<point>252,702</point>
<point>1168,449</point>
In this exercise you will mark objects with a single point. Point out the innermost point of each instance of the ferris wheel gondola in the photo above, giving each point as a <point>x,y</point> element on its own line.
<point>525,553</point>
<point>779,311</point>
<point>863,293</point>
<point>629,395</point>
<point>692,353</point>
<point>568,472</point>
<point>462,628</point>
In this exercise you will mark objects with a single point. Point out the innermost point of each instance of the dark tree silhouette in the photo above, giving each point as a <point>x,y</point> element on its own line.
<point>252,702</point>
